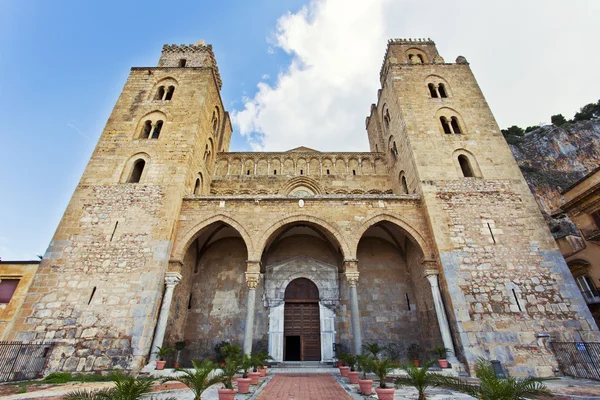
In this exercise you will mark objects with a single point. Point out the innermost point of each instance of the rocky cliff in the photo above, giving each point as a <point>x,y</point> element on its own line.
<point>552,158</point>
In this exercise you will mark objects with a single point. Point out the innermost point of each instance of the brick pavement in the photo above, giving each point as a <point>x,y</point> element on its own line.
<point>303,387</point>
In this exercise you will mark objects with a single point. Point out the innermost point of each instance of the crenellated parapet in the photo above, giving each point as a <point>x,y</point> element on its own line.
<point>194,55</point>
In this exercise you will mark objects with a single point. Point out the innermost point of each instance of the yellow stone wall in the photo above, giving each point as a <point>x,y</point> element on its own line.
<point>24,271</point>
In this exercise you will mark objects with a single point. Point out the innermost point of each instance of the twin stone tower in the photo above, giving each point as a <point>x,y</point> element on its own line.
<point>431,238</point>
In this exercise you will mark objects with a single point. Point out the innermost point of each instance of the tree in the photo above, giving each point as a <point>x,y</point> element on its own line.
<point>587,112</point>
<point>558,120</point>
<point>513,135</point>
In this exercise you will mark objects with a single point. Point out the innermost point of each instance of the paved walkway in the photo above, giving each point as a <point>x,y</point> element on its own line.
<point>303,387</point>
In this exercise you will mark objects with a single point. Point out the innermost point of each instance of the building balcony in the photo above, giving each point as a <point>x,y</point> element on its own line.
<point>591,297</point>
<point>591,233</point>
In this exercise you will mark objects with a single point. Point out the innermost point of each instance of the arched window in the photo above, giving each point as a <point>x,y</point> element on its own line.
<point>432,90</point>
<point>160,93</point>
<point>157,128</point>
<point>442,90</point>
<point>465,166</point>
<point>146,129</point>
<point>215,123</point>
<point>197,186</point>
<point>136,172</point>
<point>404,185</point>
<point>455,125</point>
<point>182,62</point>
<point>410,57</point>
<point>445,125</point>
<point>170,92</point>
<point>395,150</point>
<point>421,58</point>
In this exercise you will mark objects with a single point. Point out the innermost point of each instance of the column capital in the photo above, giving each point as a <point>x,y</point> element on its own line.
<point>253,265</point>
<point>172,279</point>
<point>175,266</point>
<point>252,279</point>
<point>352,278</point>
<point>350,265</point>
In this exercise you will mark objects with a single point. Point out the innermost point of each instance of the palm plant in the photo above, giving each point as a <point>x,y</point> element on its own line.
<point>200,378</point>
<point>126,388</point>
<point>373,348</point>
<point>163,352</point>
<point>442,352</point>
<point>351,361</point>
<point>491,387</point>
<point>382,369</point>
<point>230,368</point>
<point>246,363</point>
<point>420,378</point>
<point>365,364</point>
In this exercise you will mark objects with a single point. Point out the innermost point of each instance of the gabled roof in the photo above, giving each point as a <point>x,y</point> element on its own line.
<point>302,149</point>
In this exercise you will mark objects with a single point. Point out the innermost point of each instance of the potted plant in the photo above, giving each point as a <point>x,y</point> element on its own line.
<point>414,354</point>
<point>243,383</point>
<point>442,353</point>
<point>178,347</point>
<point>262,358</point>
<point>254,363</point>
<point>365,365</point>
<point>352,374</point>
<point>219,353</point>
<point>199,379</point>
<point>228,370</point>
<point>490,386</point>
<point>162,353</point>
<point>343,368</point>
<point>339,350</point>
<point>382,369</point>
<point>420,378</point>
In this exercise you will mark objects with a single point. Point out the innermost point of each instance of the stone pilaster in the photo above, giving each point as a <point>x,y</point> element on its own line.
<point>252,280</point>
<point>171,280</point>
<point>351,268</point>
<point>431,273</point>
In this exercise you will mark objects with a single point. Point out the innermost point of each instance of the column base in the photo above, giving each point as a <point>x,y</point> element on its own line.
<point>150,367</point>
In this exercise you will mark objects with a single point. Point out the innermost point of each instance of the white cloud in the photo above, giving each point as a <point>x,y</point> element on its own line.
<point>532,59</point>
<point>265,76</point>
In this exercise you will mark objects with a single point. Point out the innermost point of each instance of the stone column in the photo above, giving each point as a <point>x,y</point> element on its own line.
<point>432,277</point>
<point>252,278</point>
<point>171,280</point>
<point>351,267</point>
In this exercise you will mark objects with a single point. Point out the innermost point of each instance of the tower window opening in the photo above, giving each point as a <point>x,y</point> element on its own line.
<point>274,172</point>
<point>157,128</point>
<point>376,148</point>
<point>182,62</point>
<point>160,93</point>
<point>136,172</point>
<point>353,172</point>
<point>197,186</point>
<point>455,125</point>
<point>327,172</point>
<point>442,90</point>
<point>190,302</point>
<point>170,92</point>
<point>465,166</point>
<point>386,119</point>
<point>395,150</point>
<point>92,295</point>
<point>421,58</point>
<point>146,130</point>
<point>445,125</point>
<point>248,172</point>
<point>404,185</point>
<point>301,172</point>
<point>410,57</point>
<point>432,90</point>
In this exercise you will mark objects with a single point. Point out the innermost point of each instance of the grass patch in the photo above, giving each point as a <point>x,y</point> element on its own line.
<point>57,378</point>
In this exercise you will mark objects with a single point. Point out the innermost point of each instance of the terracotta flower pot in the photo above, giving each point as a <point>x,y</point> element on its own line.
<point>243,385</point>
<point>353,377</point>
<point>385,394</point>
<point>338,364</point>
<point>176,364</point>
<point>344,371</point>
<point>226,394</point>
<point>160,365</point>
<point>263,371</point>
<point>366,386</point>
<point>443,363</point>
<point>416,363</point>
<point>254,377</point>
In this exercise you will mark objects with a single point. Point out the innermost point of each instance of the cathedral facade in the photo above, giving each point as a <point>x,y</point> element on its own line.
<point>430,238</point>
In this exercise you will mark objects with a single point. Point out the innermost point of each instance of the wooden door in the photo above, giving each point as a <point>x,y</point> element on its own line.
<point>302,319</point>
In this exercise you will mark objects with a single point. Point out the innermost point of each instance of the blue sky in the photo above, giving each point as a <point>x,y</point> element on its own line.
<point>63,64</point>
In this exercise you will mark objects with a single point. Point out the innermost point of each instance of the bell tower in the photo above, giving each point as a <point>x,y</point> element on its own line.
<point>504,281</point>
<point>100,283</point>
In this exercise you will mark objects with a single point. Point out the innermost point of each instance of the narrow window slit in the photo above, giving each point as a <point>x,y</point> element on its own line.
<point>517,300</point>
<point>353,172</point>
<point>274,172</point>
<point>248,172</point>
<point>327,172</point>
<point>190,302</point>
<point>491,233</point>
<point>92,295</point>
<point>407,301</point>
<point>114,230</point>
<point>301,172</point>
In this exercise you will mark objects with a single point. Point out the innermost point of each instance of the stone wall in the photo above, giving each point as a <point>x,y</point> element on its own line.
<point>24,272</point>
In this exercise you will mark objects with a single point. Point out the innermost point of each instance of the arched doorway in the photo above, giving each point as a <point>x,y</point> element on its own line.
<point>302,329</point>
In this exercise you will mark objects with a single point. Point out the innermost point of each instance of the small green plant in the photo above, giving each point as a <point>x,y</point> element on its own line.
<point>441,352</point>
<point>365,364</point>
<point>230,368</point>
<point>262,358</point>
<point>220,356</point>
<point>163,352</point>
<point>200,378</point>
<point>58,377</point>
<point>492,387</point>
<point>420,378</point>
<point>413,351</point>
<point>22,389</point>
<point>351,361</point>
<point>246,363</point>
<point>373,348</point>
<point>343,357</point>
<point>232,351</point>
<point>126,388</point>
<point>382,369</point>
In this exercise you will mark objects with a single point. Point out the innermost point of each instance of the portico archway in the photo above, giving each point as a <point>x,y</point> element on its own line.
<point>301,327</point>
